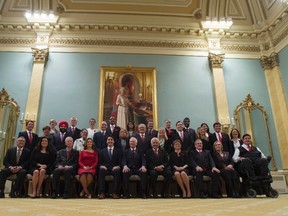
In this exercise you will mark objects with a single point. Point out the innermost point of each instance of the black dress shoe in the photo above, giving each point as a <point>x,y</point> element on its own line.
<point>202,195</point>
<point>216,196</point>
<point>66,196</point>
<point>143,196</point>
<point>2,195</point>
<point>126,196</point>
<point>54,196</point>
<point>155,195</point>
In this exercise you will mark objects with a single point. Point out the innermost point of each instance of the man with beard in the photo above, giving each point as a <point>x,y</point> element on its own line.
<point>59,138</point>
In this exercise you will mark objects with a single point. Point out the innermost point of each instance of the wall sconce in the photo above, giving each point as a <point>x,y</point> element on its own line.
<point>284,1</point>
<point>227,123</point>
<point>216,24</point>
<point>41,17</point>
<point>28,117</point>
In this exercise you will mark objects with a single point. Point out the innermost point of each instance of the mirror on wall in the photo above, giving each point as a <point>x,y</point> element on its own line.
<point>9,113</point>
<point>252,118</point>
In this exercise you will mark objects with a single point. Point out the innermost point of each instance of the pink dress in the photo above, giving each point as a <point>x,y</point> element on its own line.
<point>88,159</point>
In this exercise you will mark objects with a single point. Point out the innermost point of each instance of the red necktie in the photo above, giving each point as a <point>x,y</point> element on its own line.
<point>73,130</point>
<point>30,137</point>
<point>219,137</point>
<point>143,138</point>
<point>68,153</point>
<point>182,136</point>
<point>249,147</point>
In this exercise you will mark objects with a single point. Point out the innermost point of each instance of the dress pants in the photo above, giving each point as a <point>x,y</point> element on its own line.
<point>215,181</point>
<point>68,174</point>
<point>143,180</point>
<point>18,184</point>
<point>101,179</point>
<point>153,180</point>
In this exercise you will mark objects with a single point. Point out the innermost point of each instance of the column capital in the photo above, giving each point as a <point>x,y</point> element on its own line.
<point>40,55</point>
<point>269,62</point>
<point>216,60</point>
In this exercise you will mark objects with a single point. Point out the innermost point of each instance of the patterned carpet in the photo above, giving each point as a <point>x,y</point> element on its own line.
<point>140,207</point>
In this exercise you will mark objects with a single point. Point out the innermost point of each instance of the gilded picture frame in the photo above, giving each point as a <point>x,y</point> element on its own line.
<point>129,94</point>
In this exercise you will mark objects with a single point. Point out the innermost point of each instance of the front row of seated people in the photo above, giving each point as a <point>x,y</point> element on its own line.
<point>45,162</point>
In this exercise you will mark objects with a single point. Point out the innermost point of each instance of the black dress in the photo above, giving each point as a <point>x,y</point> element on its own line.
<point>179,160</point>
<point>37,157</point>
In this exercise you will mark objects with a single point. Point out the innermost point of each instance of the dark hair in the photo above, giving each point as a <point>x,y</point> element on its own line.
<point>132,124</point>
<point>175,141</point>
<point>178,122</point>
<point>186,118</point>
<point>27,122</point>
<point>246,135</point>
<point>216,123</point>
<point>235,129</point>
<point>46,127</point>
<point>208,130</point>
<point>110,135</point>
<point>39,147</point>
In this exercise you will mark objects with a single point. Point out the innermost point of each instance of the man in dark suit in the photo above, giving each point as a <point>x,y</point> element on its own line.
<point>66,164</point>
<point>158,164</point>
<point>73,131</point>
<point>186,138</point>
<point>112,128</point>
<point>220,136</point>
<point>99,137</point>
<point>203,164</point>
<point>110,160</point>
<point>134,163</point>
<point>169,131</point>
<point>187,128</point>
<point>31,138</point>
<point>59,137</point>
<point>143,140</point>
<point>16,161</point>
<point>150,130</point>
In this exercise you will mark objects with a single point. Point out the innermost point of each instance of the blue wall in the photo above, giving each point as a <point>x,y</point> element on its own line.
<point>184,86</point>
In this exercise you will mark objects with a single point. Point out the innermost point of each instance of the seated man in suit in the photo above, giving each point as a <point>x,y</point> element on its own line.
<point>110,160</point>
<point>203,164</point>
<point>134,163</point>
<point>16,161</point>
<point>158,164</point>
<point>66,164</point>
<point>31,139</point>
<point>251,161</point>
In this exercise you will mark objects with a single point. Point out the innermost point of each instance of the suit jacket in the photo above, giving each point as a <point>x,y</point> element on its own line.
<point>104,159</point>
<point>186,143</point>
<point>225,140</point>
<point>153,160</point>
<point>64,160</point>
<point>118,144</point>
<point>100,140</point>
<point>75,135</point>
<point>115,131</point>
<point>134,161</point>
<point>152,133</point>
<point>144,146</point>
<point>204,159</point>
<point>169,141</point>
<point>10,158</point>
<point>29,145</point>
<point>58,144</point>
<point>222,162</point>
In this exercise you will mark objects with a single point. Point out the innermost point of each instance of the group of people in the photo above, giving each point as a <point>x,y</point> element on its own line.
<point>92,154</point>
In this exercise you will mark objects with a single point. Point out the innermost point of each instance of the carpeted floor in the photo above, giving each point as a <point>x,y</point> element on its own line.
<point>140,207</point>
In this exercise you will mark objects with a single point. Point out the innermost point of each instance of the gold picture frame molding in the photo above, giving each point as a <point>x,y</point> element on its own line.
<point>129,69</point>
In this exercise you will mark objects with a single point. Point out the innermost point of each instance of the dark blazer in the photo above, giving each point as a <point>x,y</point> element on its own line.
<point>225,140</point>
<point>204,159</point>
<point>222,162</point>
<point>104,159</point>
<point>192,133</point>
<point>64,160</point>
<point>58,144</point>
<point>144,146</point>
<point>100,140</point>
<point>133,162</point>
<point>115,131</point>
<point>29,145</point>
<point>187,143</point>
<point>231,147</point>
<point>153,160</point>
<point>152,133</point>
<point>75,135</point>
<point>10,158</point>
<point>118,144</point>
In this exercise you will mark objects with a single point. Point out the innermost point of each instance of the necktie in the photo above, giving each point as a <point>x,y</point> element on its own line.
<point>18,155</point>
<point>249,147</point>
<point>143,138</point>
<point>30,137</point>
<point>112,128</point>
<point>156,152</point>
<point>110,153</point>
<point>68,153</point>
<point>219,137</point>
<point>134,153</point>
<point>61,137</point>
<point>73,130</point>
<point>181,135</point>
<point>150,132</point>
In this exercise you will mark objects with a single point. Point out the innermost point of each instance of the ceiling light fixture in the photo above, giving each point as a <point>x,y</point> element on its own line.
<point>41,17</point>
<point>216,24</point>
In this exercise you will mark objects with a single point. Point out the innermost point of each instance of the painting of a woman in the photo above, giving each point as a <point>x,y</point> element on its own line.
<point>122,102</point>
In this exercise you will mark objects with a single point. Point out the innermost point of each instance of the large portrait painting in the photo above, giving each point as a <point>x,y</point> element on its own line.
<point>128,94</point>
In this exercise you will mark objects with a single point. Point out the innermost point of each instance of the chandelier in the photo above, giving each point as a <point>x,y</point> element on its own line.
<point>284,1</point>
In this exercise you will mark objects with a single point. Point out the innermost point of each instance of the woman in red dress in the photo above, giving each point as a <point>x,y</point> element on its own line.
<point>88,161</point>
